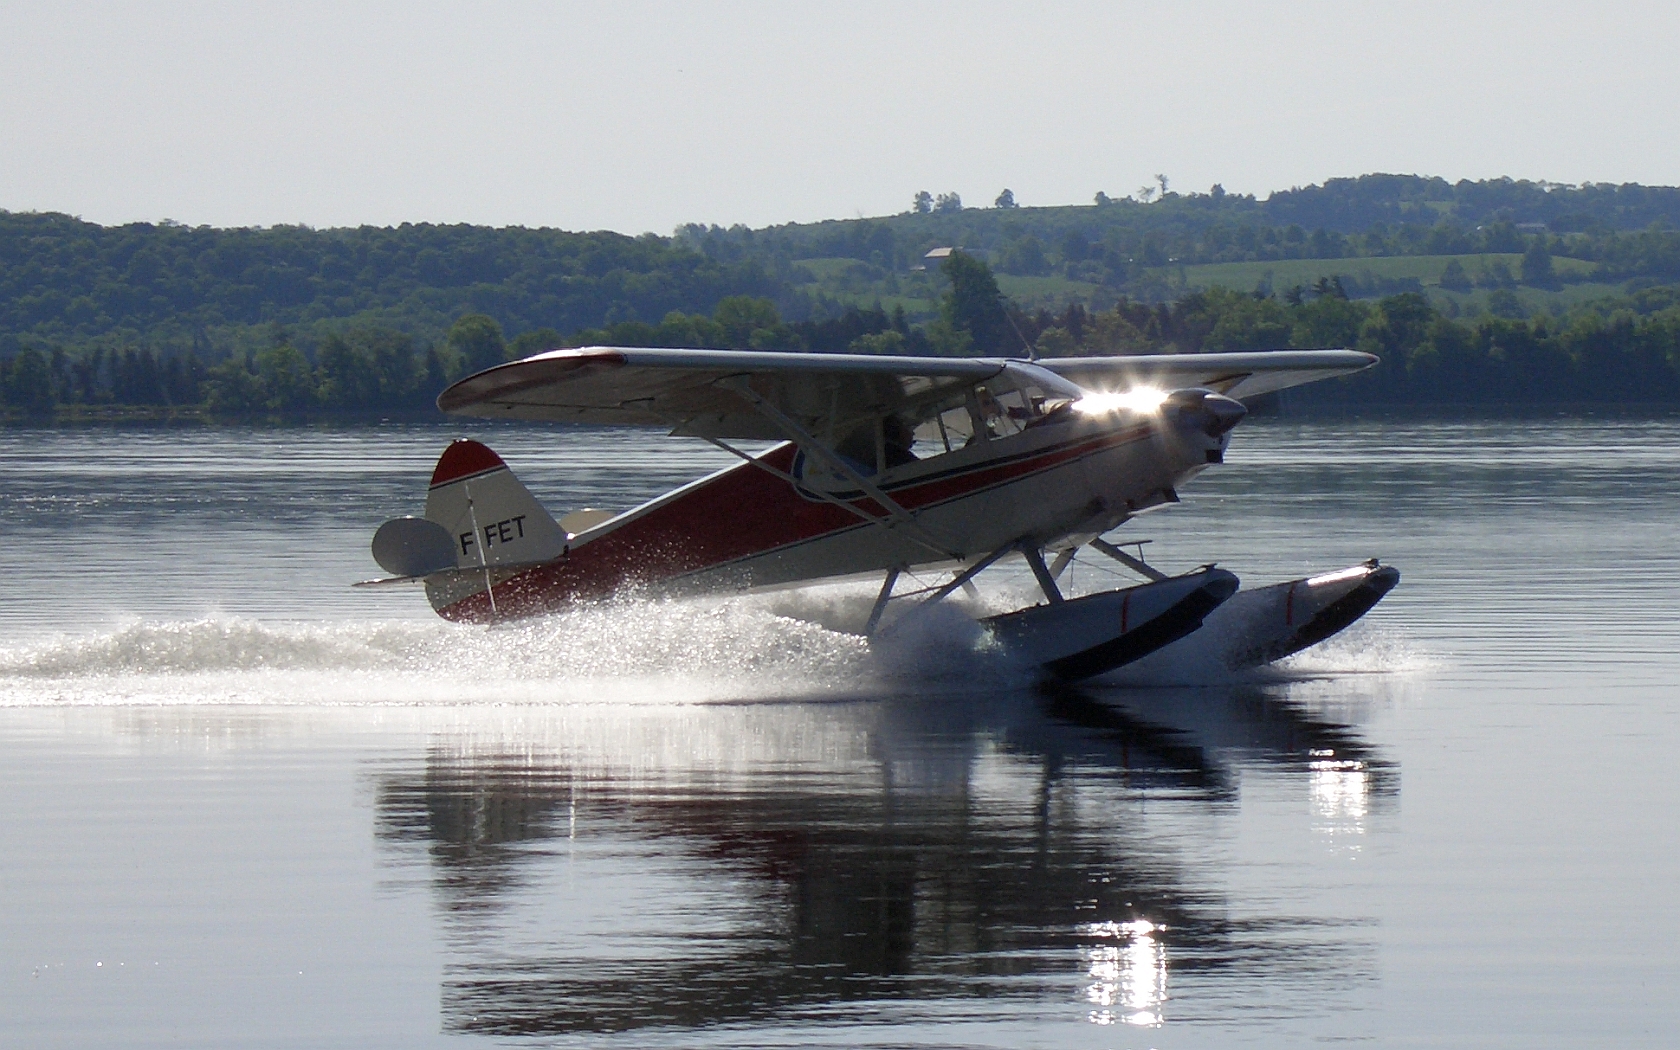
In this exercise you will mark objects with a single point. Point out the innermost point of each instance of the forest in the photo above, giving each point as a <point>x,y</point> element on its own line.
<point>1499,291</point>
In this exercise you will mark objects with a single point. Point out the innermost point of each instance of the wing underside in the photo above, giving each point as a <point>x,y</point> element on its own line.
<point>695,392</point>
<point>1239,375</point>
<point>700,392</point>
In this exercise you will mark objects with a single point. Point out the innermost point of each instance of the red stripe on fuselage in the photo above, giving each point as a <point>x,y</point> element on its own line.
<point>742,513</point>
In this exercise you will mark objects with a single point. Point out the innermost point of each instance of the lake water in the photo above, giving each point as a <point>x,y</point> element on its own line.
<point>244,805</point>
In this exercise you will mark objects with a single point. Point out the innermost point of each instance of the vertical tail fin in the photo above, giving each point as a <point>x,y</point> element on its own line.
<point>491,518</point>
<point>482,528</point>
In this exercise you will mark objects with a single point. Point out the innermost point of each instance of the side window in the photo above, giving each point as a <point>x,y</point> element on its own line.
<point>1028,406</point>
<point>946,430</point>
<point>1002,412</point>
<point>1022,405</point>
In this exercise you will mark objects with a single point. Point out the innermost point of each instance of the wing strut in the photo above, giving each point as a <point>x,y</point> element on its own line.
<point>799,436</point>
<point>827,497</point>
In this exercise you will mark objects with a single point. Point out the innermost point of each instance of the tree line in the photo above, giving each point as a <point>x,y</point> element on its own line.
<point>1623,349</point>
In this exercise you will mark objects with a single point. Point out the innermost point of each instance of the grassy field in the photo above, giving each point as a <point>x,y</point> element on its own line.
<point>825,270</point>
<point>1051,293</point>
<point>1535,300</point>
<point>916,308</point>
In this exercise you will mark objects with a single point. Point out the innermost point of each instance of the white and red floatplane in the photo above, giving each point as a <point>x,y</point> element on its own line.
<point>885,465</point>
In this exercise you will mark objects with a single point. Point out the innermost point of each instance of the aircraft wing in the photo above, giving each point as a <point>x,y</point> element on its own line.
<point>689,391</point>
<point>1237,375</point>
<point>693,392</point>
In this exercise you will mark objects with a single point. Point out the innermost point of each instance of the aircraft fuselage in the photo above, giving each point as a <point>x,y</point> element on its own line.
<point>1062,478</point>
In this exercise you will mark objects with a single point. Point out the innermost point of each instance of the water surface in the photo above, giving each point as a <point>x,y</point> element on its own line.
<point>246,805</point>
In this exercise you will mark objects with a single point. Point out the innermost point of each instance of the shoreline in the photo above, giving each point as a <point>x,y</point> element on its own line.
<point>73,416</point>
<point>83,416</point>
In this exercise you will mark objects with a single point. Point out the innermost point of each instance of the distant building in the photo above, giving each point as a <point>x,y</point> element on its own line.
<point>935,258</point>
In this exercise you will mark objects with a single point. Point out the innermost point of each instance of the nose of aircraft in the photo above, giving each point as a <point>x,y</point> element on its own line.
<point>1201,409</point>
<point>1221,414</point>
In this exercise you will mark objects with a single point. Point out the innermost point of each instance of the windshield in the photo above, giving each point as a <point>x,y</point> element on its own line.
<point>995,409</point>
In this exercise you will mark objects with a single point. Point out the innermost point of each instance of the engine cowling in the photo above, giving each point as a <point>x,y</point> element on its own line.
<point>1204,419</point>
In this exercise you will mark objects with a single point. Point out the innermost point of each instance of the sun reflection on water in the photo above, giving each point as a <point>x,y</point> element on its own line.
<point>1129,974</point>
<point>1341,793</point>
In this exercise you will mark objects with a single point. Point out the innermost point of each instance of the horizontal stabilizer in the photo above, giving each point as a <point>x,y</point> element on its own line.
<point>442,577</point>
<point>389,581</point>
<point>413,547</point>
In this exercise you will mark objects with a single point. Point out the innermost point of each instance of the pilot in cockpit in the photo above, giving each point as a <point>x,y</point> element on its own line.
<point>899,438</point>
<point>990,416</point>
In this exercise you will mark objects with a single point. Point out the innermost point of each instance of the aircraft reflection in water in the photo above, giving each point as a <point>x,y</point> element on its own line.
<point>982,849</point>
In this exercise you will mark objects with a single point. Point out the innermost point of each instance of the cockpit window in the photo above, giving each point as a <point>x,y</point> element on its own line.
<point>949,427</point>
<point>993,410</point>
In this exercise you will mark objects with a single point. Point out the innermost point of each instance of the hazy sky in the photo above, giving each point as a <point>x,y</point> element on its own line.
<point>636,116</point>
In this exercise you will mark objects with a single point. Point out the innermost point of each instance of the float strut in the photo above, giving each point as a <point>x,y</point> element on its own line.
<point>1047,582</point>
<point>1060,565</point>
<point>962,578</point>
<point>881,602</point>
<point>1137,565</point>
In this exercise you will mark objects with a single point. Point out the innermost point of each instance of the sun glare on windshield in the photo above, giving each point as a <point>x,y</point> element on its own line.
<point>1137,399</point>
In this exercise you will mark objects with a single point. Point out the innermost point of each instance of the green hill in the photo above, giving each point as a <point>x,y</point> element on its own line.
<point>296,319</point>
<point>64,281</point>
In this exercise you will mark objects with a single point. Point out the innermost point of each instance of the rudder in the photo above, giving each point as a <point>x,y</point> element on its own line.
<point>492,519</point>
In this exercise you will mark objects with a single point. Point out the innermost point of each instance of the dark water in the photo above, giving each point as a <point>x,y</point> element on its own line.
<point>244,805</point>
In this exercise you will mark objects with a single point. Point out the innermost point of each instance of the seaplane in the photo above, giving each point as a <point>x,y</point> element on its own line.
<point>882,467</point>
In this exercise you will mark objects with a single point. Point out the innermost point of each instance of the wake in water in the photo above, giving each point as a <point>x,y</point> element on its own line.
<point>662,652</point>
<point>795,645</point>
